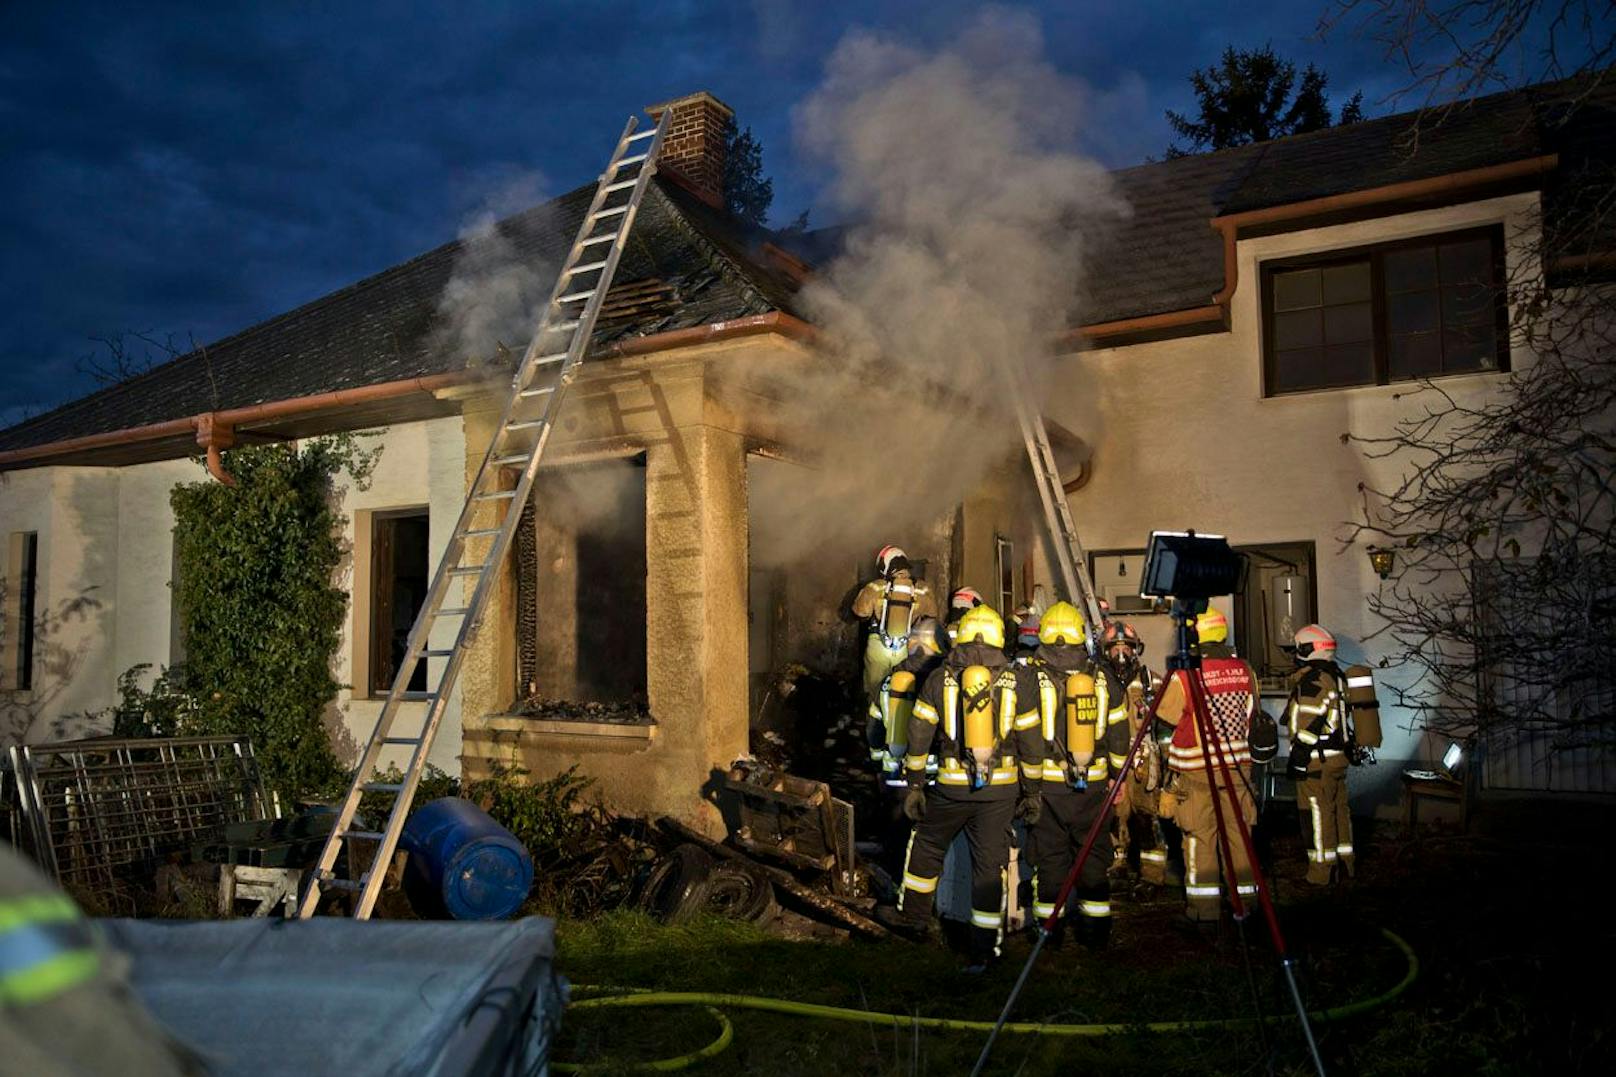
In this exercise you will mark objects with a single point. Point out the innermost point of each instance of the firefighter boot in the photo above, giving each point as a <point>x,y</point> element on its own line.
<point>1094,932</point>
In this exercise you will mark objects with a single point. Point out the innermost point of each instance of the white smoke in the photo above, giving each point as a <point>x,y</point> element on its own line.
<point>972,212</point>
<point>495,293</point>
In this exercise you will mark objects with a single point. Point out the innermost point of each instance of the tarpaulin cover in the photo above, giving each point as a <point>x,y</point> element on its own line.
<point>337,996</point>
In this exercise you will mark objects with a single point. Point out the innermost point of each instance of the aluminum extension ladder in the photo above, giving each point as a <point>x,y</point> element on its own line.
<point>477,549</point>
<point>1069,556</point>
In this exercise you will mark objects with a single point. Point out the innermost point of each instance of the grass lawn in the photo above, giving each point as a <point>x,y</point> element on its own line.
<point>1501,988</point>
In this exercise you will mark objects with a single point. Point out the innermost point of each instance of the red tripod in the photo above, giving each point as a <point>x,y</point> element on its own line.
<point>1186,664</point>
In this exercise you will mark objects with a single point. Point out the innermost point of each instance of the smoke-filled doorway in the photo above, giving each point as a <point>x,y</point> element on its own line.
<point>581,620</point>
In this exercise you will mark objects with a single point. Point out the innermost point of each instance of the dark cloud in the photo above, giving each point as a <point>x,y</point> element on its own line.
<point>190,172</point>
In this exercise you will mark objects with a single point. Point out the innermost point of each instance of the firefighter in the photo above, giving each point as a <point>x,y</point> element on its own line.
<point>1143,852</point>
<point>960,603</point>
<point>1334,721</point>
<point>888,733</point>
<point>979,714</point>
<point>1025,644</point>
<point>1232,695</point>
<point>1075,708</point>
<point>890,604</point>
<point>65,1007</point>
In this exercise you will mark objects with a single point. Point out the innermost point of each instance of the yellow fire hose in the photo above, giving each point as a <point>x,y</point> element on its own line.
<point>630,997</point>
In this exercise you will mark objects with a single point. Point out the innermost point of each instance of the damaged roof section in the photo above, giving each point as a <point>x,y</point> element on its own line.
<point>685,265</point>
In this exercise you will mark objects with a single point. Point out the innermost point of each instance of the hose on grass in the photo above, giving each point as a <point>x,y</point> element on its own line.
<point>638,998</point>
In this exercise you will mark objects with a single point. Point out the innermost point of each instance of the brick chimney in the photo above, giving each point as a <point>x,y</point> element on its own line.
<point>694,148</point>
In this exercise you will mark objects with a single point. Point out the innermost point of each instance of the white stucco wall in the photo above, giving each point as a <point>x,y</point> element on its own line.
<point>1185,438</point>
<point>106,543</point>
<point>421,464</point>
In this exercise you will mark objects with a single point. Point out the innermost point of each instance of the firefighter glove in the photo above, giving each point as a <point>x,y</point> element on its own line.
<point>914,805</point>
<point>1296,764</point>
<point>875,732</point>
<point>1029,808</point>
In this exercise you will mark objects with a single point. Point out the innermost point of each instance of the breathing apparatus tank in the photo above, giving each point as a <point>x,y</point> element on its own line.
<point>977,724</point>
<point>900,706</point>
<point>1081,711</point>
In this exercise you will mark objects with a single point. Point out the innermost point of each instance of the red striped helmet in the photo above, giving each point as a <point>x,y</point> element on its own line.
<point>1314,642</point>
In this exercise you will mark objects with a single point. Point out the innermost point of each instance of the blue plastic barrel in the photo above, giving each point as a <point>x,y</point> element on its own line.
<point>464,864</point>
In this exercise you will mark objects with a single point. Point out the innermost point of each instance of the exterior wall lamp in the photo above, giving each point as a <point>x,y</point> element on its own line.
<point>1382,560</point>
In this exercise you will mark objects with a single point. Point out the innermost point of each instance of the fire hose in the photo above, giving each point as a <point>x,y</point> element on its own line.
<point>615,997</point>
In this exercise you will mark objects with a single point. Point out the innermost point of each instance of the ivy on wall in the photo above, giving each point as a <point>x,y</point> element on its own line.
<point>259,604</point>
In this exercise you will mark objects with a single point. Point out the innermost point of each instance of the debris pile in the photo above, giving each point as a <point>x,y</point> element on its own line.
<point>626,712</point>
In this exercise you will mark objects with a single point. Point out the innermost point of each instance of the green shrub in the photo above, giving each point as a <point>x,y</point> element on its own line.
<point>261,612</point>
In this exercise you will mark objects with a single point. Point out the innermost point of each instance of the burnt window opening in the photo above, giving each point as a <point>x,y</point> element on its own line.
<point>1393,312</point>
<point>400,574</point>
<point>22,601</point>
<point>580,582</point>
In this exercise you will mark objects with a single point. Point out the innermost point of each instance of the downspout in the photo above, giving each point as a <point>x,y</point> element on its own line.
<point>215,437</point>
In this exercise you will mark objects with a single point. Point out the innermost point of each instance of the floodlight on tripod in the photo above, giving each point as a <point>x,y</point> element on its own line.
<point>1190,567</point>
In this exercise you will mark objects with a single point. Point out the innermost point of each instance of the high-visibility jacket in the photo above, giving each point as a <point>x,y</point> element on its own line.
<point>979,716</point>
<point>892,606</point>
<point>1316,712</point>
<point>1082,713</point>
<point>1232,695</point>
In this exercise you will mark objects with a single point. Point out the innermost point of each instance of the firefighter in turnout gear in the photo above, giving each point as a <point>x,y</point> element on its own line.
<point>65,1005</point>
<point>1232,695</point>
<point>1083,727</point>
<point>1143,851</point>
<point>960,603</point>
<point>1334,720</point>
<point>888,732</point>
<point>979,714</point>
<point>890,604</point>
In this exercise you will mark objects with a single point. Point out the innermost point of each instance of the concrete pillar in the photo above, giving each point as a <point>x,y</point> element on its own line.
<point>488,674</point>
<point>696,611</point>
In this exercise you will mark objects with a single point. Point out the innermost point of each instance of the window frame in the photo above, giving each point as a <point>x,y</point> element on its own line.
<point>1375,254</point>
<point>380,656</point>
<point>21,645</point>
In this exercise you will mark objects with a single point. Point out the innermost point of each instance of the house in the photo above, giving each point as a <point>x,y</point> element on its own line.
<point>1240,328</point>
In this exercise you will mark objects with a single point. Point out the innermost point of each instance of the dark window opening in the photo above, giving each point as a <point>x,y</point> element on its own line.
<point>1004,570</point>
<point>400,574</point>
<point>25,559</point>
<point>1394,312</point>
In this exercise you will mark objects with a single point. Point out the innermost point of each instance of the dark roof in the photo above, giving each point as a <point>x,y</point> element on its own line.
<point>685,265</point>
<point>688,264</point>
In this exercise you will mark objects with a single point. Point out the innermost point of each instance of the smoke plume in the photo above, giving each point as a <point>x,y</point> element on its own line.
<point>971,212</point>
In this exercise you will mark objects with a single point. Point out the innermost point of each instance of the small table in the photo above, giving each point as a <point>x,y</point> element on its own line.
<point>1436,786</point>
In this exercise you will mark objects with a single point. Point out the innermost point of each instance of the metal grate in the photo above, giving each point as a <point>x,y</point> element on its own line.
<point>96,813</point>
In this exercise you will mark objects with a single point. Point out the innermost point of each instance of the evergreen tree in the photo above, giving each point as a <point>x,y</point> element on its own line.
<point>1247,97</point>
<point>747,191</point>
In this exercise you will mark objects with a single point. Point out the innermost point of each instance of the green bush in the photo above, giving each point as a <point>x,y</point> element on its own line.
<point>167,709</point>
<point>261,612</point>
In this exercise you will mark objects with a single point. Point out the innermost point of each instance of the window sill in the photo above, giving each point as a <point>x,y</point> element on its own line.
<point>1390,388</point>
<point>561,727</point>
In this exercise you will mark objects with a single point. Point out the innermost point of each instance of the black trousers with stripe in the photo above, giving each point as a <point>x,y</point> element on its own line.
<point>986,822</point>
<point>1056,839</point>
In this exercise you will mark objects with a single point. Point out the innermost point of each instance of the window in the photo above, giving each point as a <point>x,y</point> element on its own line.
<point>1004,557</point>
<point>1394,312</point>
<point>22,558</point>
<point>399,577</point>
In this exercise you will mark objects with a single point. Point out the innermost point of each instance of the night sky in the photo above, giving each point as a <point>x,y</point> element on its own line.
<point>188,173</point>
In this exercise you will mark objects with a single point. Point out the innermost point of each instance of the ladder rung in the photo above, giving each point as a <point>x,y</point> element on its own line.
<point>647,133</point>
<point>465,570</point>
<point>418,697</point>
<point>621,184</point>
<point>496,495</point>
<point>604,237</point>
<point>401,740</point>
<point>611,211</point>
<point>435,654</point>
<point>343,884</point>
<point>541,390</point>
<point>562,327</point>
<point>525,424</point>
<point>364,835</point>
<point>511,458</point>
<point>461,611</point>
<point>480,532</point>
<point>634,160</point>
<point>383,787</point>
<point>553,357</point>
<point>587,267</point>
<point>575,297</point>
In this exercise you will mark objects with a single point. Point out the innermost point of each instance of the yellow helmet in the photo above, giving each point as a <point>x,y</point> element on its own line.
<point>1212,626</point>
<point>1062,623</point>
<point>980,625</point>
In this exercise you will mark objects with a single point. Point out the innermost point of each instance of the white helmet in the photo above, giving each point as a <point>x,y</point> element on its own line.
<point>885,558</point>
